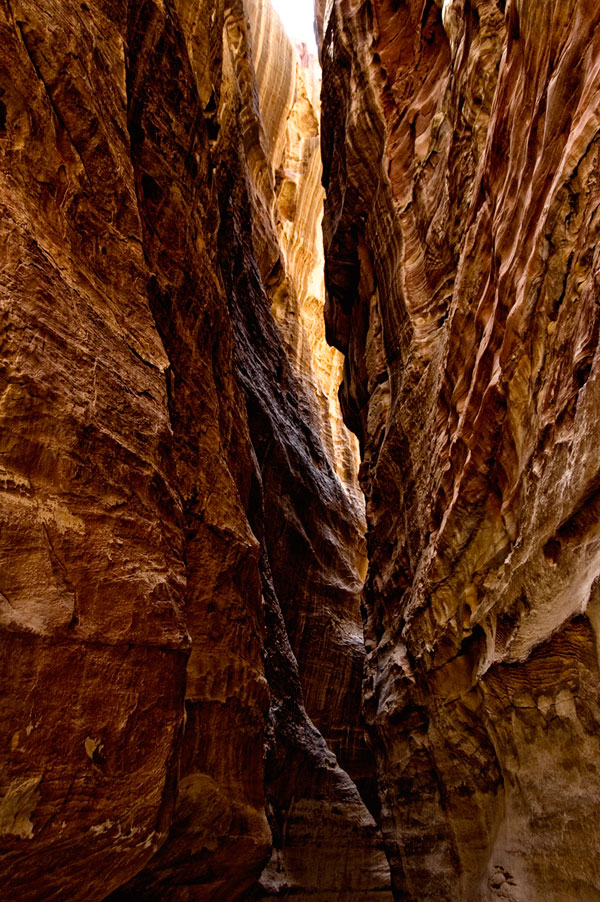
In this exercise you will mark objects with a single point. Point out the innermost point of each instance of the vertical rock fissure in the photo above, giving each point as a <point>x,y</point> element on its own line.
<point>321,614</point>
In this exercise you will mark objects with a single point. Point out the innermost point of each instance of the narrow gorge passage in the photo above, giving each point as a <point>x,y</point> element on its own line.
<point>250,653</point>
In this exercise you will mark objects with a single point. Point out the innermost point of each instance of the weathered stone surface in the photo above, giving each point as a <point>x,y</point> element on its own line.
<point>326,844</point>
<point>461,224</point>
<point>94,641</point>
<point>325,626</point>
<point>175,533</point>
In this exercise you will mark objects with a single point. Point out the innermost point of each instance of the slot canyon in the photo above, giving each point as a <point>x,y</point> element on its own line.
<point>300,507</point>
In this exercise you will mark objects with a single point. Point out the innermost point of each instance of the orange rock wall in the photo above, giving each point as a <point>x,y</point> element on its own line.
<point>174,534</point>
<point>460,146</point>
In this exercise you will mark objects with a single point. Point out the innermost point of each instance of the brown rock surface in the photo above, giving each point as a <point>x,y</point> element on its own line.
<point>123,519</point>
<point>461,222</point>
<point>174,532</point>
<point>325,842</point>
<point>326,637</point>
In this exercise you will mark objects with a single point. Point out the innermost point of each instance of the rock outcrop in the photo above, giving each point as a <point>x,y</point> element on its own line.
<point>181,562</point>
<point>460,147</point>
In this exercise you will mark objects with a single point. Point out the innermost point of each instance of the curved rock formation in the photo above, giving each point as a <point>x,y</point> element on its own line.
<point>180,560</point>
<point>308,515</point>
<point>126,540</point>
<point>290,109</point>
<point>326,637</point>
<point>461,166</point>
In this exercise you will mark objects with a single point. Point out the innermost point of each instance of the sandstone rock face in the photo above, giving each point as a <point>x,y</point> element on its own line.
<point>297,301</point>
<point>327,638</point>
<point>180,559</point>
<point>125,536</point>
<point>325,841</point>
<point>461,144</point>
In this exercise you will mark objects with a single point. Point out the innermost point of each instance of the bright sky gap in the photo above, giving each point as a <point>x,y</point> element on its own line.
<point>297,17</point>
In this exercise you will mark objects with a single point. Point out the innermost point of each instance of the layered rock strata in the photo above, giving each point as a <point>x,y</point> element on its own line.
<point>461,163</point>
<point>175,535</point>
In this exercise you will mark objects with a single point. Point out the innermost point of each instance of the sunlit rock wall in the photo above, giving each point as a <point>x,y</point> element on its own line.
<point>289,86</point>
<point>171,516</point>
<point>460,148</point>
<point>326,628</point>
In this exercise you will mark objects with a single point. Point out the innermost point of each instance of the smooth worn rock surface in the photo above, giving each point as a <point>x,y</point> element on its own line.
<point>181,562</point>
<point>460,147</point>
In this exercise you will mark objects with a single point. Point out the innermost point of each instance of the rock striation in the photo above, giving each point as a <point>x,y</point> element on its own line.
<point>182,540</point>
<point>460,153</point>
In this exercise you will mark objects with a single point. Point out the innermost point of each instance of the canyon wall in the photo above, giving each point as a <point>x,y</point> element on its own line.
<point>461,149</point>
<point>182,549</point>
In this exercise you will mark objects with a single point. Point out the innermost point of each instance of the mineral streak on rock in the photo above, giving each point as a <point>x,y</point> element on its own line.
<point>461,154</point>
<point>180,560</point>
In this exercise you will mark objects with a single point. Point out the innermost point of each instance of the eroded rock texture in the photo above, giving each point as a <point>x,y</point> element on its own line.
<point>461,144</point>
<point>180,560</point>
<point>326,629</point>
